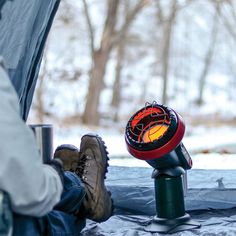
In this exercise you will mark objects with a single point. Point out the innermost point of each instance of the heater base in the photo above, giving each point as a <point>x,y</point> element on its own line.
<point>162,225</point>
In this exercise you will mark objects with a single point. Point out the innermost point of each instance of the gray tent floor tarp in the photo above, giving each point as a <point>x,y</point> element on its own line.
<point>133,193</point>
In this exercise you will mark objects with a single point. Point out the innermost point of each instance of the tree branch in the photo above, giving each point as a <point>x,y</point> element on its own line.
<point>226,23</point>
<point>110,23</point>
<point>178,7</point>
<point>160,16</point>
<point>90,27</point>
<point>129,19</point>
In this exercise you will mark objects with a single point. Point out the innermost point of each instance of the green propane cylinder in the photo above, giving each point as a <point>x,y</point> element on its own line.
<point>169,197</point>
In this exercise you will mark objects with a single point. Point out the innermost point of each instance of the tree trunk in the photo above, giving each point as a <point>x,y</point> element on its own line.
<point>208,60</point>
<point>168,25</point>
<point>91,114</point>
<point>116,96</point>
<point>101,56</point>
<point>40,91</point>
<point>40,103</point>
<point>100,59</point>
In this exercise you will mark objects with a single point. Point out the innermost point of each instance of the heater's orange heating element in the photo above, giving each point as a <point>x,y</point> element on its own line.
<point>154,133</point>
<point>149,124</point>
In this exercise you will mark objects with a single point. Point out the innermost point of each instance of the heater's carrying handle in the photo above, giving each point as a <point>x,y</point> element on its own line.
<point>184,157</point>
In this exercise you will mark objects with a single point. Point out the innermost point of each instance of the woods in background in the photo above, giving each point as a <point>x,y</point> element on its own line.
<point>105,59</point>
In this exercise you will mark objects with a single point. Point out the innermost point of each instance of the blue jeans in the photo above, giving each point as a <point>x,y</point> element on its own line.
<point>61,220</point>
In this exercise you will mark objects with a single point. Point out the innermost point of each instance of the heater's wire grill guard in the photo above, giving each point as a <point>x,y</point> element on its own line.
<point>157,116</point>
<point>163,119</point>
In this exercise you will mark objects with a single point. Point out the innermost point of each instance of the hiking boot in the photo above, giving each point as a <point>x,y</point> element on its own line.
<point>69,155</point>
<point>97,203</point>
<point>90,164</point>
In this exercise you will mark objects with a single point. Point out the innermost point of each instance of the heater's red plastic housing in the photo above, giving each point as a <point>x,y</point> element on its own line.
<point>153,132</point>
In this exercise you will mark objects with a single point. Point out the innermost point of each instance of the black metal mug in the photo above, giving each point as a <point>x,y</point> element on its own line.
<point>44,139</point>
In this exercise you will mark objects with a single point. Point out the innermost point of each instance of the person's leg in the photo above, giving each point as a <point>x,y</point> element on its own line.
<point>73,194</point>
<point>61,220</point>
<point>27,225</point>
<point>90,163</point>
<point>88,198</point>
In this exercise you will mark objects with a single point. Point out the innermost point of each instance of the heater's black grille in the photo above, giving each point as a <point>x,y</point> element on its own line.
<point>151,127</point>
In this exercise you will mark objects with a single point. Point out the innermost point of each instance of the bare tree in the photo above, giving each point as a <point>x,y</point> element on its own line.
<point>100,58</point>
<point>167,26</point>
<point>166,23</point>
<point>230,27</point>
<point>116,95</point>
<point>40,90</point>
<point>130,15</point>
<point>110,38</point>
<point>209,54</point>
<point>228,20</point>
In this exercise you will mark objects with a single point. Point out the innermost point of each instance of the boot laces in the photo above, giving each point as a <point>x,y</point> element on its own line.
<point>81,171</point>
<point>81,163</point>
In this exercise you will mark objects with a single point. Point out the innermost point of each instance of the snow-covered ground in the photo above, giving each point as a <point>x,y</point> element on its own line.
<point>210,148</point>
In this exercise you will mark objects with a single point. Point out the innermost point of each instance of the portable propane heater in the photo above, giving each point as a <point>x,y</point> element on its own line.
<point>154,134</point>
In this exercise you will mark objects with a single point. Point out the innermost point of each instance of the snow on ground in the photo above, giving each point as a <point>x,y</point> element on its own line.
<point>214,161</point>
<point>210,148</point>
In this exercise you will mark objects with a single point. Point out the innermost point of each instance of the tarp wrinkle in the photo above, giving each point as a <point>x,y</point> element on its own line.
<point>134,200</point>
